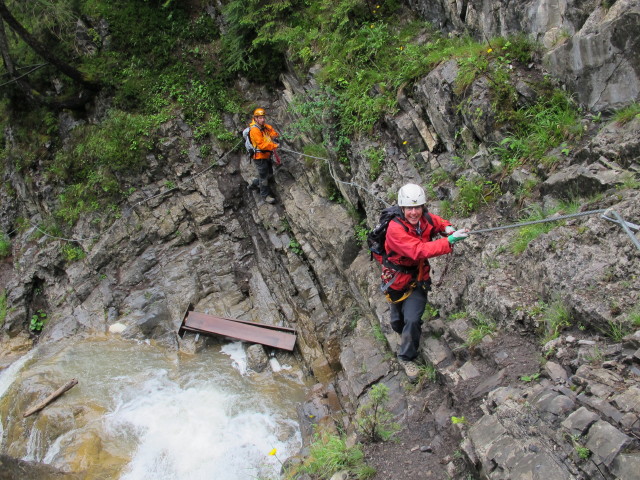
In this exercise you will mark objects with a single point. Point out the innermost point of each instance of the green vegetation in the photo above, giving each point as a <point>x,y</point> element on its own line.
<point>582,451</point>
<point>472,194</point>
<point>38,320</point>
<point>3,306</point>
<point>458,315</point>
<point>426,374</point>
<point>375,156</point>
<point>295,246</point>
<point>617,330</point>
<point>329,454</point>
<point>528,233</point>
<point>72,253</point>
<point>429,312</point>
<point>362,230</point>
<point>538,128</point>
<point>5,245</point>
<point>627,114</point>
<point>555,318</point>
<point>161,63</point>
<point>530,378</point>
<point>167,60</point>
<point>482,327</point>
<point>378,334</point>
<point>374,421</point>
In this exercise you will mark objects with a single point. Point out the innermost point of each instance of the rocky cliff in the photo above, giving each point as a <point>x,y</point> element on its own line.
<point>536,391</point>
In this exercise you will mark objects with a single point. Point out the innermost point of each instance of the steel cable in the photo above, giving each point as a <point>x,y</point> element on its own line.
<point>620,220</point>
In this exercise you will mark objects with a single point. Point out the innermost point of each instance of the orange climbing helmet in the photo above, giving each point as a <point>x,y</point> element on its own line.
<point>258,112</point>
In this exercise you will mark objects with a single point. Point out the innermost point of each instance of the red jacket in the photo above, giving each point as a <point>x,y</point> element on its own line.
<point>262,139</point>
<point>405,247</point>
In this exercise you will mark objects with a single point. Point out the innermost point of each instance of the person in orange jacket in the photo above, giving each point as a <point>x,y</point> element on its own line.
<point>264,140</point>
<point>410,242</point>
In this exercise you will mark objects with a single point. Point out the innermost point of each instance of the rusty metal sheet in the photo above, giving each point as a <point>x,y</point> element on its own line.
<point>278,337</point>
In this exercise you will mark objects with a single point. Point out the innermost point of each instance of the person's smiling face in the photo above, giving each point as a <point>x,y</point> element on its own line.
<point>412,214</point>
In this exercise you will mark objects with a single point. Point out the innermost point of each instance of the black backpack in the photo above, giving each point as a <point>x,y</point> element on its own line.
<point>377,236</point>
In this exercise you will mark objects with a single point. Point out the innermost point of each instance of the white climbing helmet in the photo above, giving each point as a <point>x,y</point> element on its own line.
<point>411,195</point>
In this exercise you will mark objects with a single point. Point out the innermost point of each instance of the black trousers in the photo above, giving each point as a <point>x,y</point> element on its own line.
<point>406,319</point>
<point>264,167</point>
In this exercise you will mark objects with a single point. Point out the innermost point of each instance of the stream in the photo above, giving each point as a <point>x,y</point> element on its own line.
<point>142,412</point>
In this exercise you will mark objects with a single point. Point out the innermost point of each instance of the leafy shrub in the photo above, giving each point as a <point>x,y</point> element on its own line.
<point>361,232</point>
<point>38,320</point>
<point>72,253</point>
<point>472,194</point>
<point>374,421</point>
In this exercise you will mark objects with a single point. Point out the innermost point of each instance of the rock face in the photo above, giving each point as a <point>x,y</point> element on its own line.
<point>212,243</point>
<point>590,45</point>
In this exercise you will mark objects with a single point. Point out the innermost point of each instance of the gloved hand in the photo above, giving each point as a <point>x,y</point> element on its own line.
<point>449,229</point>
<point>458,235</point>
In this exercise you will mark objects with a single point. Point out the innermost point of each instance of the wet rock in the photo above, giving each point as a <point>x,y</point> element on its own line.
<point>13,468</point>
<point>257,359</point>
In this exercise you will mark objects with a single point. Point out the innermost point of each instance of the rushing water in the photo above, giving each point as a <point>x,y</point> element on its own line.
<point>166,416</point>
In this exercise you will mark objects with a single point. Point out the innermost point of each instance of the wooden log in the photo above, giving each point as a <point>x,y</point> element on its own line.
<point>70,384</point>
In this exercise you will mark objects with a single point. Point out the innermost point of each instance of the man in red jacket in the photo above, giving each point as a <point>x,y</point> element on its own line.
<point>263,138</point>
<point>405,274</point>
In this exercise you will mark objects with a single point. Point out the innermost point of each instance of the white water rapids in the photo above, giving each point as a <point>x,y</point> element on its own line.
<point>163,416</point>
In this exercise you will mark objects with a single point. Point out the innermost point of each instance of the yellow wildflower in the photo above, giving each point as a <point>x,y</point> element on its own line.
<point>273,452</point>
<point>405,142</point>
<point>490,50</point>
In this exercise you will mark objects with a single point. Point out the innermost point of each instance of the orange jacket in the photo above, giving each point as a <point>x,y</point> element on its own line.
<point>405,247</point>
<point>262,140</point>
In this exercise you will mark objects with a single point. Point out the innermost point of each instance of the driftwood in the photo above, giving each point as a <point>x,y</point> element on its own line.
<point>71,383</point>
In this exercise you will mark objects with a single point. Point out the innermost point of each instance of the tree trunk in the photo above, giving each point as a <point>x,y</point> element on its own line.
<point>65,68</point>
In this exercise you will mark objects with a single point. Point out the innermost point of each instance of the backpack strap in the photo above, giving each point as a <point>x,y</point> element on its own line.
<point>402,268</point>
<point>255,150</point>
